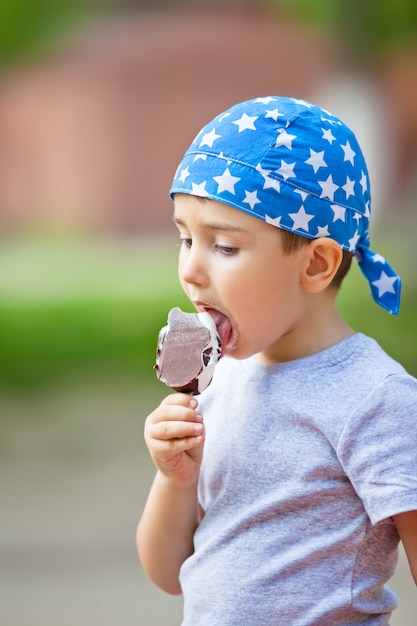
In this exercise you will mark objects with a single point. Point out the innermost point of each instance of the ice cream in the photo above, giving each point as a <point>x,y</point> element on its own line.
<point>189,348</point>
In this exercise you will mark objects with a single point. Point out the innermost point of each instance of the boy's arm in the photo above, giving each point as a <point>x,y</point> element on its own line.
<point>165,532</point>
<point>406,524</point>
<point>174,434</point>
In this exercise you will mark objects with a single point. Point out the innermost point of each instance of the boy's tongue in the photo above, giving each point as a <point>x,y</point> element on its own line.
<point>224,328</point>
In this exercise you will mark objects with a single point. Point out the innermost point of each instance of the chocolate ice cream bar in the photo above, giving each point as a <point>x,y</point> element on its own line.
<point>188,350</point>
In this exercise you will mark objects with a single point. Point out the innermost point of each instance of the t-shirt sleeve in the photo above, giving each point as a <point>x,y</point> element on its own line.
<point>378,448</point>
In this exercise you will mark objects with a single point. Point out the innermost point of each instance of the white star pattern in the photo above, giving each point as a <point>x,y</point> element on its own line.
<point>273,114</point>
<point>226,182</point>
<point>328,119</point>
<point>271,183</point>
<point>285,139</point>
<point>185,173</point>
<point>246,122</point>
<point>251,198</point>
<point>353,241</point>
<point>378,259</point>
<point>209,138</point>
<point>339,212</point>
<point>266,100</point>
<point>286,170</point>
<point>304,103</point>
<point>275,221</point>
<point>200,189</point>
<point>384,284</point>
<point>301,219</point>
<point>316,160</point>
<point>203,157</point>
<point>349,153</point>
<point>262,171</point>
<point>328,187</point>
<point>302,193</point>
<point>348,187</point>
<point>364,182</point>
<point>328,135</point>
<point>322,231</point>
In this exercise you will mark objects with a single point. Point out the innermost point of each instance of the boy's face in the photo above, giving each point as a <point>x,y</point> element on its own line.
<point>232,265</point>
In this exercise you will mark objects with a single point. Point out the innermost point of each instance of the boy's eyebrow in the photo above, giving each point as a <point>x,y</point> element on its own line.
<point>212,225</point>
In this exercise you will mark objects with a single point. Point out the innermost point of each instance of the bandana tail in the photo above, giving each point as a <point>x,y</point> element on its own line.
<point>383,280</point>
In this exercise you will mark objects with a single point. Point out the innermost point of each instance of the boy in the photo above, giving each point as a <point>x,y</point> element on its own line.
<point>308,480</point>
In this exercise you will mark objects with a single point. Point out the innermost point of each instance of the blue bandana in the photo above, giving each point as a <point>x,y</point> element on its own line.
<point>294,165</point>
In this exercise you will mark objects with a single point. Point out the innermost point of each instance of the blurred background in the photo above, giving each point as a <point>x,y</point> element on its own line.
<point>98,101</point>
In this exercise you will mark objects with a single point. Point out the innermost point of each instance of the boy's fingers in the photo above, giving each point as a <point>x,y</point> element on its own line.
<point>182,399</point>
<point>173,414</point>
<point>166,431</point>
<point>178,407</point>
<point>164,448</point>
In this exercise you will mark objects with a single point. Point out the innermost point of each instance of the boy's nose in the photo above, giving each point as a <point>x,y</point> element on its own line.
<point>193,269</point>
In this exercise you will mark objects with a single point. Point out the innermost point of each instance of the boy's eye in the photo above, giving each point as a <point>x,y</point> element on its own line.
<point>226,250</point>
<point>185,241</point>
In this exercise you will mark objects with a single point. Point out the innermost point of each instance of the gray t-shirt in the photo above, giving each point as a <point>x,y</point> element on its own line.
<point>304,464</point>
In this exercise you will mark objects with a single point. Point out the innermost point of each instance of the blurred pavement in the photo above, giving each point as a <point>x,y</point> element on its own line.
<point>74,477</point>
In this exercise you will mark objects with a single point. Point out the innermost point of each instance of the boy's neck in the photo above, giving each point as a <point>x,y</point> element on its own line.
<point>322,328</point>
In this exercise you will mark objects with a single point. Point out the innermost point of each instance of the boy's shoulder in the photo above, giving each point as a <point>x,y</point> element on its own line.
<point>373,359</point>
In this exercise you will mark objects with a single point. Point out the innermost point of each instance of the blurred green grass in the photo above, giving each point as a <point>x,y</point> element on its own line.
<point>29,28</point>
<point>76,310</point>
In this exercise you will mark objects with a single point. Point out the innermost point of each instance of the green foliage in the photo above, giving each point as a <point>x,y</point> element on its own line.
<point>370,25</point>
<point>43,346</point>
<point>319,12</point>
<point>396,334</point>
<point>27,26</point>
<point>71,310</point>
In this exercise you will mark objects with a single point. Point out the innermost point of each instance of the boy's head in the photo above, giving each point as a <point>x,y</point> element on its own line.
<point>296,166</point>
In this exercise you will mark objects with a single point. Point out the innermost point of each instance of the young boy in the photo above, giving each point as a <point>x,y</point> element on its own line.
<point>281,495</point>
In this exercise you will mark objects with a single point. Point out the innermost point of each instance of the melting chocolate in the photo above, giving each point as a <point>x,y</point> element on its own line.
<point>187,352</point>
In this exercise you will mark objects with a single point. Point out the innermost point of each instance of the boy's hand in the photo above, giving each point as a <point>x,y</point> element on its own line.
<point>174,434</point>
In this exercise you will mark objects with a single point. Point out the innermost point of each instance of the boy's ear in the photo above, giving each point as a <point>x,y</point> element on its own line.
<point>323,258</point>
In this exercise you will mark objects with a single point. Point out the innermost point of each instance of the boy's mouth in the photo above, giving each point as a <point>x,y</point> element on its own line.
<point>224,327</point>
